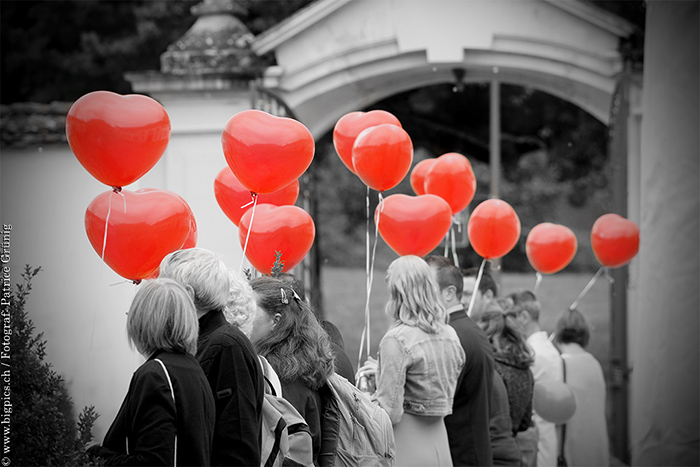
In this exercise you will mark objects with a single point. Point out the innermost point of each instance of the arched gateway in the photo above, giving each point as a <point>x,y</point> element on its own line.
<point>338,56</point>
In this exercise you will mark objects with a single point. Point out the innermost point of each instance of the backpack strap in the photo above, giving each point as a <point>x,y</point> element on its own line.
<point>172,393</point>
<point>269,388</point>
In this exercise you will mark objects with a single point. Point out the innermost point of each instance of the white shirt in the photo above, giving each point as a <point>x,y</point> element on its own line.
<point>547,365</point>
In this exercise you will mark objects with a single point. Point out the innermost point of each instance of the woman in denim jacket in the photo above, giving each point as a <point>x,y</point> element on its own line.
<point>420,359</point>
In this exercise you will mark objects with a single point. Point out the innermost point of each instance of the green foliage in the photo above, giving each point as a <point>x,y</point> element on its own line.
<point>278,265</point>
<point>43,428</point>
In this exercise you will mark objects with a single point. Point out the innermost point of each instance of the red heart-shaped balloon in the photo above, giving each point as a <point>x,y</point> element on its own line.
<point>493,229</point>
<point>413,225</point>
<point>418,175</point>
<point>265,152</point>
<point>550,247</point>
<point>451,177</point>
<point>143,226</point>
<point>350,125</point>
<point>235,199</point>
<point>117,138</point>
<point>382,156</point>
<point>615,240</point>
<point>287,229</point>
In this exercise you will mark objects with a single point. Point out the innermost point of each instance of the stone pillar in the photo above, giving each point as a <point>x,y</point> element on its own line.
<point>203,82</point>
<point>665,427</point>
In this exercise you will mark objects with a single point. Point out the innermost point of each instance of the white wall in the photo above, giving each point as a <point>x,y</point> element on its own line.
<point>75,302</point>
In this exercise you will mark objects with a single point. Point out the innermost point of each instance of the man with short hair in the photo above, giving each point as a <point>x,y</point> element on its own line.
<point>547,365</point>
<point>226,356</point>
<point>468,425</point>
<point>486,294</point>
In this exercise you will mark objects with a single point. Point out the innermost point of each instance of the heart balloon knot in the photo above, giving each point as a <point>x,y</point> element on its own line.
<point>116,189</point>
<point>137,282</point>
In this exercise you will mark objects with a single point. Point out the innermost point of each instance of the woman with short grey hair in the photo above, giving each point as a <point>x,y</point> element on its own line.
<point>167,417</point>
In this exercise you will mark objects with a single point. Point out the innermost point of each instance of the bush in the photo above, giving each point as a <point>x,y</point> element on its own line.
<point>43,430</point>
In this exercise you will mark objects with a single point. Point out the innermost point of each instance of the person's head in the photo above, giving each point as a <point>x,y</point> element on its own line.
<point>202,272</point>
<point>286,332</point>
<point>162,317</point>
<point>526,309</point>
<point>241,306</point>
<point>487,291</point>
<point>449,279</point>
<point>414,295</point>
<point>294,282</point>
<point>506,339</point>
<point>572,327</point>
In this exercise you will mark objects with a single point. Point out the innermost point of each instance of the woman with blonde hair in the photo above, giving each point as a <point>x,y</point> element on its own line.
<point>420,359</point>
<point>167,417</point>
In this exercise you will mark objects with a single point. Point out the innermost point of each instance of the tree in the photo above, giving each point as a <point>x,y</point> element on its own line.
<point>43,430</point>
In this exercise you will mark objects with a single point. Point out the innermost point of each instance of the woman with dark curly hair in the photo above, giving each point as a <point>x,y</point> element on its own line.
<point>513,359</point>
<point>286,332</point>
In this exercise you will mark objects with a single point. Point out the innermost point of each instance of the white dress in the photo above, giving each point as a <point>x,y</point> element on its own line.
<point>586,441</point>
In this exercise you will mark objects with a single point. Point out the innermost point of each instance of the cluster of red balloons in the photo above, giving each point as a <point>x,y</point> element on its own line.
<point>373,146</point>
<point>266,155</point>
<point>118,139</point>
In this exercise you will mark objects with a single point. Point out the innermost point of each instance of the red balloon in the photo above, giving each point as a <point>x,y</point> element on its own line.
<point>550,247</point>
<point>493,229</point>
<point>117,138</point>
<point>554,401</point>
<point>191,240</point>
<point>232,196</point>
<point>382,156</point>
<point>265,152</point>
<point>615,240</point>
<point>451,177</point>
<point>288,229</point>
<point>418,175</point>
<point>144,226</point>
<point>413,225</point>
<point>350,125</point>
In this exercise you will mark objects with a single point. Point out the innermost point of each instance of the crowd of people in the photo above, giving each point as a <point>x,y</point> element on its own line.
<point>455,372</point>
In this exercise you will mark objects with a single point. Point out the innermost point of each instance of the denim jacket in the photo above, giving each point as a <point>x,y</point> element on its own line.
<point>417,371</point>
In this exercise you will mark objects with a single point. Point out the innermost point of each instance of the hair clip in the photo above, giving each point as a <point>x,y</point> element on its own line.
<point>297,297</point>
<point>285,300</point>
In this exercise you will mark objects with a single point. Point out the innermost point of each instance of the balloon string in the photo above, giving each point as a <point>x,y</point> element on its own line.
<point>366,331</point>
<point>476,287</point>
<point>252,201</point>
<point>367,275</point>
<point>109,212</point>
<point>250,227</point>
<point>454,246</point>
<point>587,288</point>
<point>538,281</point>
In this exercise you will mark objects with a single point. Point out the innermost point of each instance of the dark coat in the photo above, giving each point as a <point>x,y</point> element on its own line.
<point>520,386</point>
<point>236,379</point>
<point>468,426</point>
<point>145,428</point>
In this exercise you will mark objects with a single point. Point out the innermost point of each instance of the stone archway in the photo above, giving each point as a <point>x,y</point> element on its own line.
<point>338,56</point>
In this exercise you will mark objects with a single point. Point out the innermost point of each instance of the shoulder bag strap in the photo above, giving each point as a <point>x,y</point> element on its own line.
<point>172,393</point>
<point>562,459</point>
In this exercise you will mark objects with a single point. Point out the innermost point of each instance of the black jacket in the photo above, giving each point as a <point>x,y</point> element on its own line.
<point>236,379</point>
<point>468,426</point>
<point>145,428</point>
